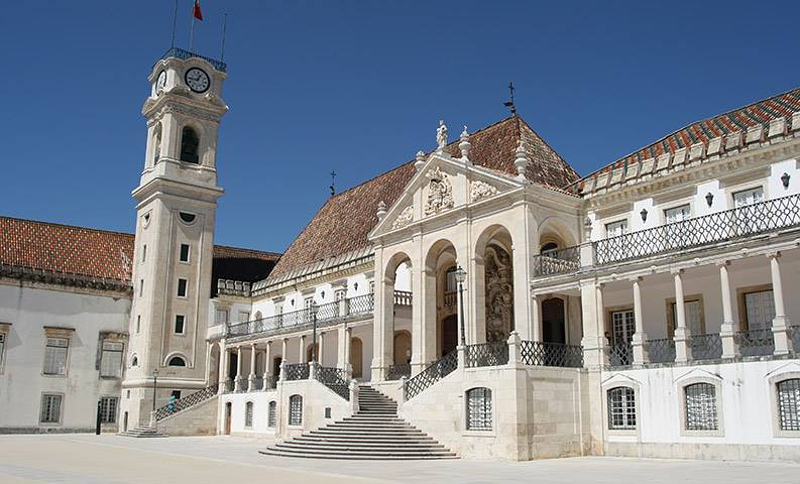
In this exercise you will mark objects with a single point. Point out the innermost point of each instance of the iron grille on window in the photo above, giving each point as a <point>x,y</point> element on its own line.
<point>248,414</point>
<point>621,408</point>
<point>295,410</point>
<point>701,407</point>
<point>51,409</point>
<point>479,409</point>
<point>789,404</point>
<point>108,409</point>
<point>272,409</point>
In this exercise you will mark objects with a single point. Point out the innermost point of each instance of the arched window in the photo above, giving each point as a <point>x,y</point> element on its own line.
<point>157,143</point>
<point>479,409</point>
<point>701,406</point>
<point>177,361</point>
<point>548,247</point>
<point>296,410</point>
<point>190,144</point>
<point>134,361</point>
<point>621,408</point>
<point>248,414</point>
<point>272,410</point>
<point>789,404</point>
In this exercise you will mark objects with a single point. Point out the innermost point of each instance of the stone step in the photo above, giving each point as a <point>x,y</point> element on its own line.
<point>365,439</point>
<point>349,456</point>
<point>323,453</point>
<point>403,448</point>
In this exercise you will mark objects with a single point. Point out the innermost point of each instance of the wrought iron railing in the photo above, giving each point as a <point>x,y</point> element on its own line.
<point>185,54</point>
<point>537,353</point>
<point>227,386</point>
<point>661,350</point>
<point>242,383</point>
<point>706,346</point>
<point>324,313</point>
<point>557,261</point>
<point>430,375</point>
<point>270,382</point>
<point>186,402</point>
<point>333,378</point>
<point>258,383</point>
<point>487,354</point>
<point>758,218</point>
<point>620,354</point>
<point>397,372</point>
<point>794,333</point>
<point>296,371</point>
<point>402,298</point>
<point>756,342</point>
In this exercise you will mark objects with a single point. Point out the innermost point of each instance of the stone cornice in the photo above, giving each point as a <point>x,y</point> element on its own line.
<point>61,279</point>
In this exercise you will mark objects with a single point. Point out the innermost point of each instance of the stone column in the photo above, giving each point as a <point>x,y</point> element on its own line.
<point>237,386</point>
<point>284,348</point>
<point>223,367</point>
<point>251,378</point>
<point>536,318</point>
<point>780,325</point>
<point>348,337</point>
<point>682,336</point>
<point>639,339</point>
<point>267,365</point>
<point>320,352</point>
<point>729,328</point>
<point>303,355</point>
<point>595,344</point>
<point>383,322</point>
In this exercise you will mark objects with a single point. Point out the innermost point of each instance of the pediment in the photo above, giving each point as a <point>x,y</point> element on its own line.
<point>697,373</point>
<point>442,184</point>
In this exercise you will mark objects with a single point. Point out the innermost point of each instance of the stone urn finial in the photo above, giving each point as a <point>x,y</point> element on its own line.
<point>420,160</point>
<point>381,210</point>
<point>464,145</point>
<point>521,162</point>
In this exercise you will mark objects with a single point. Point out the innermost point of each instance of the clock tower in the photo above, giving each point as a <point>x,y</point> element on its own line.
<point>176,202</point>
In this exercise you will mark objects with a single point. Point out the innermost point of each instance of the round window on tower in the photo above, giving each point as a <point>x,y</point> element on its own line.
<point>188,218</point>
<point>146,220</point>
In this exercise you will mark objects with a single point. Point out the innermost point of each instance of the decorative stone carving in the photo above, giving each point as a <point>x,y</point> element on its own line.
<point>420,160</point>
<point>405,218</point>
<point>464,145</point>
<point>499,294</point>
<point>440,192</point>
<point>479,190</point>
<point>441,136</point>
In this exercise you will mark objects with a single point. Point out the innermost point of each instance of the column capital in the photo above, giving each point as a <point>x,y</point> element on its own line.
<point>723,263</point>
<point>253,344</point>
<point>773,255</point>
<point>635,278</point>
<point>677,272</point>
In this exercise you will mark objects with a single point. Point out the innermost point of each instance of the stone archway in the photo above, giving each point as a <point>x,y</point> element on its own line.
<point>402,348</point>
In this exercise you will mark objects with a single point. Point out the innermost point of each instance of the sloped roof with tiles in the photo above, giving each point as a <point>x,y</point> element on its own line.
<point>71,254</point>
<point>702,139</point>
<point>343,223</point>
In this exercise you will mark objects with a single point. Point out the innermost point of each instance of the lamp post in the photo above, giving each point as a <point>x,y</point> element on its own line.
<point>155,386</point>
<point>461,276</point>
<point>314,333</point>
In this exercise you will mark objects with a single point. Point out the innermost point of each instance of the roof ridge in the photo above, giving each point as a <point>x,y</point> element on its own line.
<point>58,224</point>
<point>672,133</point>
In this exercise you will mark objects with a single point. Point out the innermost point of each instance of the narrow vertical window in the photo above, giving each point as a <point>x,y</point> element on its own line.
<point>479,409</point>
<point>108,410</point>
<point>621,408</point>
<point>701,407</point>
<point>789,404</point>
<point>190,143</point>
<point>248,414</point>
<point>51,409</point>
<point>2,348</point>
<point>182,287</point>
<point>244,316</point>
<point>141,287</point>
<point>55,358</point>
<point>111,360</point>
<point>180,324</point>
<point>184,256</point>
<point>144,252</point>
<point>295,410</point>
<point>138,324</point>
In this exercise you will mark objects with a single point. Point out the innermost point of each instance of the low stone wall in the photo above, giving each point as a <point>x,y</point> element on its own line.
<point>316,399</point>
<point>200,419</point>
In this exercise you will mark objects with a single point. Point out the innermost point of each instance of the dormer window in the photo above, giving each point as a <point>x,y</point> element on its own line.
<point>190,144</point>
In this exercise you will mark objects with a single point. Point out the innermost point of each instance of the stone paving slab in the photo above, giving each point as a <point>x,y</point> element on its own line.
<point>88,459</point>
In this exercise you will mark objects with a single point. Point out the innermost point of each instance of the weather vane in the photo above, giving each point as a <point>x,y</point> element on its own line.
<point>333,183</point>
<point>510,104</point>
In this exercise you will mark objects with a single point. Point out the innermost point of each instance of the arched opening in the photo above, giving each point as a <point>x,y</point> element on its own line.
<point>495,285</point>
<point>396,310</point>
<point>440,269</point>
<point>156,143</point>
<point>233,366</point>
<point>176,361</point>
<point>272,414</point>
<point>134,361</point>
<point>190,145</point>
<point>276,365</point>
<point>402,348</point>
<point>213,365</point>
<point>548,246</point>
<point>296,410</point>
<point>356,357</point>
<point>553,327</point>
<point>312,352</point>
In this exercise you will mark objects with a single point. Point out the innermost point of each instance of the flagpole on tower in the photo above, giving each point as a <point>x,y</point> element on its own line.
<point>224,29</point>
<point>174,25</point>
<point>197,14</point>
<point>191,33</point>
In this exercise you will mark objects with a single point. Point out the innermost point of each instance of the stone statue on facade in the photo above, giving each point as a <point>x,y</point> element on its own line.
<point>441,135</point>
<point>499,294</point>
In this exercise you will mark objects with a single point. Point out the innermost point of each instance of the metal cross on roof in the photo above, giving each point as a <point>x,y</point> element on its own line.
<point>333,183</point>
<point>510,104</point>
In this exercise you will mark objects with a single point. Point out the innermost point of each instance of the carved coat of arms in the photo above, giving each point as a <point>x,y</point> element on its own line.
<point>440,192</point>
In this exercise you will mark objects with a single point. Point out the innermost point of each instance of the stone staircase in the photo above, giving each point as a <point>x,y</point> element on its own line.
<point>375,432</point>
<point>143,433</point>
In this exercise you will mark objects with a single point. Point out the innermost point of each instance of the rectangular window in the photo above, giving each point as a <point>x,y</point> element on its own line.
<point>748,197</point>
<point>138,324</point>
<point>144,252</point>
<point>677,214</point>
<point>694,316</point>
<point>55,357</point>
<point>141,287</point>
<point>108,409</point>
<point>621,408</point>
<point>701,407</point>
<point>615,229</point>
<point>244,316</point>
<point>111,360</point>
<point>308,302</point>
<point>479,409</point>
<point>759,309</point>
<point>450,280</point>
<point>182,287</point>
<point>184,256</point>
<point>176,394</point>
<point>180,324</point>
<point>747,220</point>
<point>789,404</point>
<point>295,410</point>
<point>339,295</point>
<point>221,316</point>
<point>248,414</point>
<point>51,409</point>
<point>623,325</point>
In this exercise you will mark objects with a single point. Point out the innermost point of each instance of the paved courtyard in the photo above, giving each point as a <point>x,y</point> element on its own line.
<point>88,459</point>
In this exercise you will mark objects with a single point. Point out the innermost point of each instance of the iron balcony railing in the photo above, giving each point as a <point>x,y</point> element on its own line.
<point>620,354</point>
<point>242,383</point>
<point>557,261</point>
<point>537,353</point>
<point>186,402</point>
<point>324,313</point>
<point>185,54</point>
<point>397,372</point>
<point>706,346</point>
<point>430,375</point>
<point>487,354</point>
<point>794,333</point>
<point>270,382</point>
<point>661,350</point>
<point>296,371</point>
<point>333,378</point>
<point>756,342</point>
<point>737,223</point>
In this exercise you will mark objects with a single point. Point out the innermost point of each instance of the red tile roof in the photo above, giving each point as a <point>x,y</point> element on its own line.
<point>758,113</point>
<point>91,253</point>
<point>343,223</point>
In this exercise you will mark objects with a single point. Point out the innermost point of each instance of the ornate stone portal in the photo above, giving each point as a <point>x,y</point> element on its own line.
<point>440,192</point>
<point>499,293</point>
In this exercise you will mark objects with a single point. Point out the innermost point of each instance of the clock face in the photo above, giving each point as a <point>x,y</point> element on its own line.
<point>162,81</point>
<point>197,80</point>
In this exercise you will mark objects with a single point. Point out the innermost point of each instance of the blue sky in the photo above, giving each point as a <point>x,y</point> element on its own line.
<point>358,87</point>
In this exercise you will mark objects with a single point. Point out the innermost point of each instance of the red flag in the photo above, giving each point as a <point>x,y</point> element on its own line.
<point>197,13</point>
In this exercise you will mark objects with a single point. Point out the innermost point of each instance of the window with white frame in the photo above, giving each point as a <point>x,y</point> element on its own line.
<point>677,234</point>
<point>479,409</point>
<point>108,409</point>
<point>184,253</point>
<point>748,197</point>
<point>677,214</point>
<point>180,324</point>
<point>244,316</point>
<point>701,406</point>
<point>182,287</point>
<point>693,311</point>
<point>295,410</point>
<point>747,220</point>
<point>248,414</point>
<point>111,359</point>
<point>339,294</point>
<point>615,229</point>
<point>789,404</point>
<point>759,309</point>
<point>621,402</point>
<point>55,356</point>
<point>272,413</point>
<point>221,316</point>
<point>51,408</point>
<point>623,325</point>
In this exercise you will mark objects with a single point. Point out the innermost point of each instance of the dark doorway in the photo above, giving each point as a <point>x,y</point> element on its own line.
<point>276,366</point>
<point>553,321</point>
<point>228,418</point>
<point>233,363</point>
<point>449,334</point>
